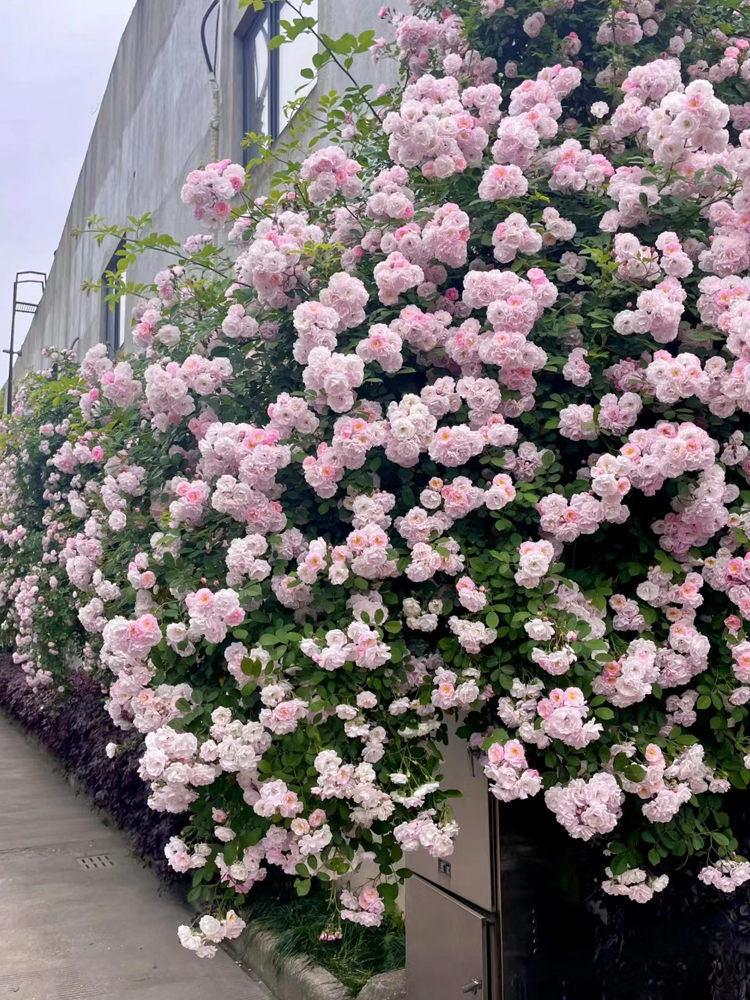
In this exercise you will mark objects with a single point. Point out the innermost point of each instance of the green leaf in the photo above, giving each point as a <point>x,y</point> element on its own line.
<point>686,740</point>
<point>251,667</point>
<point>620,762</point>
<point>653,856</point>
<point>388,891</point>
<point>634,772</point>
<point>619,864</point>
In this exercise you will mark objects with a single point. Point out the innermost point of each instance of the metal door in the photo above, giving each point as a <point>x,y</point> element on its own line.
<point>470,871</point>
<point>546,934</point>
<point>447,946</point>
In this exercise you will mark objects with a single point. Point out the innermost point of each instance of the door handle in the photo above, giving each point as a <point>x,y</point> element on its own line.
<point>473,987</point>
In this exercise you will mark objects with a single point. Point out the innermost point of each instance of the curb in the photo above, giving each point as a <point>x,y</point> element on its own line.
<point>294,978</point>
<point>386,986</point>
<point>299,978</point>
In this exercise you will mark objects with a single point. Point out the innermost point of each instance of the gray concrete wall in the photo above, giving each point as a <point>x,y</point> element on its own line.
<point>152,129</point>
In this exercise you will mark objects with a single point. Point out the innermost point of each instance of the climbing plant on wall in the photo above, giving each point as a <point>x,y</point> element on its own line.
<point>453,422</point>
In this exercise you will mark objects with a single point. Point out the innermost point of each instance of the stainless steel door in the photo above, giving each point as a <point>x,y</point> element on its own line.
<point>469,871</point>
<point>447,946</point>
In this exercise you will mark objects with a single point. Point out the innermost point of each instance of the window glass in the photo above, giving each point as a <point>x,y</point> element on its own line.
<point>110,319</point>
<point>293,57</point>
<point>257,78</point>
<point>112,327</point>
<point>270,78</point>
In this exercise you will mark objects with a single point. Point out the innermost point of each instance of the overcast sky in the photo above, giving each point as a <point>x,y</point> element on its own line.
<point>55,59</point>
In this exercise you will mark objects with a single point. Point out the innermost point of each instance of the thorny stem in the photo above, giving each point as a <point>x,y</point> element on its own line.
<point>332,54</point>
<point>168,250</point>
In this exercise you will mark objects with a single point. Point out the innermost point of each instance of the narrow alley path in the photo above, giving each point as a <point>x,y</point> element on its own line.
<point>79,916</point>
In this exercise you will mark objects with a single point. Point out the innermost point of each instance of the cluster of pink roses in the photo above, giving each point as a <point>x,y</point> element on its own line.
<point>209,191</point>
<point>509,774</point>
<point>328,171</point>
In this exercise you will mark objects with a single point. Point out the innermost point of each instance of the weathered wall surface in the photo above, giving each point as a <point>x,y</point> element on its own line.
<point>152,129</point>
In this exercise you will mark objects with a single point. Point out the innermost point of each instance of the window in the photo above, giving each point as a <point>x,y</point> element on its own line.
<point>256,79</point>
<point>111,311</point>
<point>292,58</point>
<point>270,78</point>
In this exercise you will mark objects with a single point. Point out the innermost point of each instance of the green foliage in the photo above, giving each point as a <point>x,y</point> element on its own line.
<point>360,953</point>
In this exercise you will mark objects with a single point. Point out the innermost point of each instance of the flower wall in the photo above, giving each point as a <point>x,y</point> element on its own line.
<point>451,423</point>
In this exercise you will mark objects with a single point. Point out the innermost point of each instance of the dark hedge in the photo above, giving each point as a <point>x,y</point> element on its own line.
<point>76,729</point>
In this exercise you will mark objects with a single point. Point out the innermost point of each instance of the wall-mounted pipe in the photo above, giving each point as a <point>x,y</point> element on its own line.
<point>213,124</point>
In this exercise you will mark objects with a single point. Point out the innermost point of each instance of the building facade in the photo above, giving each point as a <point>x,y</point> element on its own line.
<point>160,117</point>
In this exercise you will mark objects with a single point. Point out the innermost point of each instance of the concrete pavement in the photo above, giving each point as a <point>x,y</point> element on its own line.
<point>79,916</point>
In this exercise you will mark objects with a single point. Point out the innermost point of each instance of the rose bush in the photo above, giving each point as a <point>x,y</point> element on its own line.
<point>453,423</point>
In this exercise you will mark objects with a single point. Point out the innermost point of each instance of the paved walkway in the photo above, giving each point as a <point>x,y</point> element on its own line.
<point>100,930</point>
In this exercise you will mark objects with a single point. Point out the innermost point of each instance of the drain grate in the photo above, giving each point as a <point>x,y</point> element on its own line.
<point>97,861</point>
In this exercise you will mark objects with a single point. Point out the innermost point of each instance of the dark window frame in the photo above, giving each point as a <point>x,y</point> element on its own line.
<point>247,32</point>
<point>110,331</point>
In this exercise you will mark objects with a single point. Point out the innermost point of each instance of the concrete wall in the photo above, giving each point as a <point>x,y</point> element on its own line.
<point>152,129</point>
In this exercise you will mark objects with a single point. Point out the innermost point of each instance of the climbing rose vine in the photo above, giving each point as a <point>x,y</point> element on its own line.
<point>451,424</point>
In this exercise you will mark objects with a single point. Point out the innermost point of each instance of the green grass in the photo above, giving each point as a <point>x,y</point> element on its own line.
<point>361,953</point>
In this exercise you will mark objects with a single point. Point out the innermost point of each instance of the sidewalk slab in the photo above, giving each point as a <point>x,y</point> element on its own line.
<point>80,917</point>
